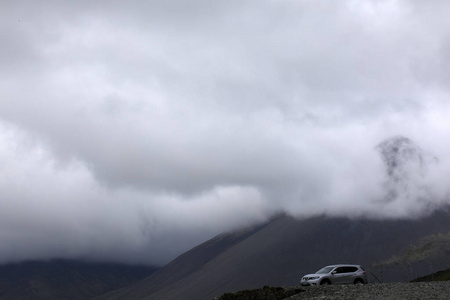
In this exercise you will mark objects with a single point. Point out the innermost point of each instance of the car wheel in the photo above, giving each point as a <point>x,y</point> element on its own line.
<point>325,282</point>
<point>359,281</point>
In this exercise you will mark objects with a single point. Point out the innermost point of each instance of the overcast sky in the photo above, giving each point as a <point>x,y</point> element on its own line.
<point>134,130</point>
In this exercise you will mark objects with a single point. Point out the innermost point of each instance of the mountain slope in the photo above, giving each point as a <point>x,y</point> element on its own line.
<point>443,275</point>
<point>280,252</point>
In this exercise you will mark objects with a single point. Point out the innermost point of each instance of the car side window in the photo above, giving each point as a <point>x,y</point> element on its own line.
<point>340,270</point>
<point>350,269</point>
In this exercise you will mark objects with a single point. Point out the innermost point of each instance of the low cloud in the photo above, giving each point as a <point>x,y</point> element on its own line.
<point>134,131</point>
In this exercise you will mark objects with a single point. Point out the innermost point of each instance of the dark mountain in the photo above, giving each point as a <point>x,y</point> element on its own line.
<point>65,279</point>
<point>279,252</point>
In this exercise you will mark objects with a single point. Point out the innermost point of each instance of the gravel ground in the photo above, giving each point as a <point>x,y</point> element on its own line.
<point>388,291</point>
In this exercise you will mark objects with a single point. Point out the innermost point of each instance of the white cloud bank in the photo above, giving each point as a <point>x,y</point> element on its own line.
<point>133,131</point>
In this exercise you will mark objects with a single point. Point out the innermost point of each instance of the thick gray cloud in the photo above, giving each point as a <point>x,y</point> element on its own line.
<point>133,131</point>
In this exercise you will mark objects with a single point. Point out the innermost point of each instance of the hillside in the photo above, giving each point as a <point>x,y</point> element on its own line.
<point>443,275</point>
<point>426,247</point>
<point>279,252</point>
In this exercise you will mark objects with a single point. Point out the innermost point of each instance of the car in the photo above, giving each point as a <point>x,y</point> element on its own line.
<point>336,274</point>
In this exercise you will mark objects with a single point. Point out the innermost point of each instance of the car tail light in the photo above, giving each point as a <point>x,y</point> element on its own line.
<point>364,272</point>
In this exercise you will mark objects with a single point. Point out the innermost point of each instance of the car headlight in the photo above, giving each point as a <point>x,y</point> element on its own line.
<point>311,278</point>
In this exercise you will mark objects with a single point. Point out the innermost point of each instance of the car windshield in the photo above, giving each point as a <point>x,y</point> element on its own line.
<point>325,270</point>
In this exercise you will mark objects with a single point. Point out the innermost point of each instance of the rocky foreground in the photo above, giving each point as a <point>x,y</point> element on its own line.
<point>418,290</point>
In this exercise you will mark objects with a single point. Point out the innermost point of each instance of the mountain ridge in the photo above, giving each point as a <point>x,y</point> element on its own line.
<point>65,278</point>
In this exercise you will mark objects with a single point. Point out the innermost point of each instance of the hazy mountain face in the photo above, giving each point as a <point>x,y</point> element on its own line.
<point>406,164</point>
<point>401,157</point>
<point>408,168</point>
<point>399,179</point>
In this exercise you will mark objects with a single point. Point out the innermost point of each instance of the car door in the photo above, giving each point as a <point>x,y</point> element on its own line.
<point>338,275</point>
<point>349,274</point>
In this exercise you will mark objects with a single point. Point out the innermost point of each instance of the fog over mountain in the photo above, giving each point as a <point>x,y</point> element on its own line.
<point>131,131</point>
<point>407,168</point>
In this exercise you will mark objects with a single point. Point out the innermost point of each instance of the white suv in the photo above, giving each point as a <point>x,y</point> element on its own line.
<point>336,274</point>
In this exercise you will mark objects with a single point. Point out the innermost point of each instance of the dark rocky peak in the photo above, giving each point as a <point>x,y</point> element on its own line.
<point>399,153</point>
<point>406,167</point>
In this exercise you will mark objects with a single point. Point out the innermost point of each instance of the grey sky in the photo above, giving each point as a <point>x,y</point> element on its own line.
<point>133,130</point>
